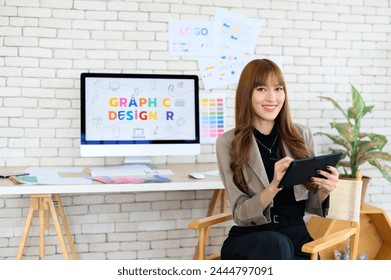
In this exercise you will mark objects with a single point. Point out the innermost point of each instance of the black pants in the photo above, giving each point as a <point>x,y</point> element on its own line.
<point>266,242</point>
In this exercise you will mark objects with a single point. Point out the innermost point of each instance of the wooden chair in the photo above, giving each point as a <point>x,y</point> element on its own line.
<point>344,205</point>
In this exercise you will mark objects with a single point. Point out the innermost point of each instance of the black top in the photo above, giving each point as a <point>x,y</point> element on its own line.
<point>271,142</point>
<point>284,203</point>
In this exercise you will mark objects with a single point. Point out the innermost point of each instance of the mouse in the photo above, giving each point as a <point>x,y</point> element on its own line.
<point>196,175</point>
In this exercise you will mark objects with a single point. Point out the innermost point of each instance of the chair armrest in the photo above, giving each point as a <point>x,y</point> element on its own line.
<point>209,221</point>
<point>328,241</point>
<point>202,225</point>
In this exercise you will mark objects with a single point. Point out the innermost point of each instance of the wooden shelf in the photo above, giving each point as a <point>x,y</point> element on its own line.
<point>375,233</point>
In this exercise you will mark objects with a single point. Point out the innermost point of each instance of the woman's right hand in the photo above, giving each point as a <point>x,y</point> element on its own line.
<point>280,168</point>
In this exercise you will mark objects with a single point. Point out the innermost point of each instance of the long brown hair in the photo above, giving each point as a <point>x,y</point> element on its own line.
<point>254,74</point>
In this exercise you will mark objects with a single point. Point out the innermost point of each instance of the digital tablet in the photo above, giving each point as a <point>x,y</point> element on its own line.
<point>300,171</point>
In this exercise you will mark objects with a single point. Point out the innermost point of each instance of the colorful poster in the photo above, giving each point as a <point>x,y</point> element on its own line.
<point>221,70</point>
<point>212,117</point>
<point>190,38</point>
<point>235,31</point>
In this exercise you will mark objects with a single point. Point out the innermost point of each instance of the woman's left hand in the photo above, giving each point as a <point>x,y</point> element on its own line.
<point>329,183</point>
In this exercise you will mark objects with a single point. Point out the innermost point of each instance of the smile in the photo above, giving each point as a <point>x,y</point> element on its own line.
<point>269,107</point>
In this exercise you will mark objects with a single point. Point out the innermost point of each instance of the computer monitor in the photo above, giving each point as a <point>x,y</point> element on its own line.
<point>137,116</point>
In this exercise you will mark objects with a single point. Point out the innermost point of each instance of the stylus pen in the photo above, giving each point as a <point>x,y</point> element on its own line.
<point>6,176</point>
<point>274,159</point>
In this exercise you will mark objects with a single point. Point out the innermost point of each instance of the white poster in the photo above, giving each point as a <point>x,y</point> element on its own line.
<point>190,38</point>
<point>235,31</point>
<point>221,70</point>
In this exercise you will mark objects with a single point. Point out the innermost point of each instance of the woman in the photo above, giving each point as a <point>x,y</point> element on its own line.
<point>269,220</point>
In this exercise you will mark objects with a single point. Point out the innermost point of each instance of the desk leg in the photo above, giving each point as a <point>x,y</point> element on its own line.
<point>41,217</point>
<point>58,228</point>
<point>26,230</point>
<point>44,205</point>
<point>65,225</point>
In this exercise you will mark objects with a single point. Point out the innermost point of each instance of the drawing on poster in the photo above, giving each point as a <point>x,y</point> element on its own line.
<point>235,31</point>
<point>190,38</point>
<point>221,70</point>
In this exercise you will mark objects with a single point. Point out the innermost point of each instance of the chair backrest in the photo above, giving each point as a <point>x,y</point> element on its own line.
<point>345,201</point>
<point>329,235</point>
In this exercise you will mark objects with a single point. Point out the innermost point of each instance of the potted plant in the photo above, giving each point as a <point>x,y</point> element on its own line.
<point>358,147</point>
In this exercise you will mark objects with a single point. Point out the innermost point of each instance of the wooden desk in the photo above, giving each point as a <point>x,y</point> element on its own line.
<point>180,181</point>
<point>45,199</point>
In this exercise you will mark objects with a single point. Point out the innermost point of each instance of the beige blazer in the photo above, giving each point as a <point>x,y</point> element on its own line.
<point>247,209</point>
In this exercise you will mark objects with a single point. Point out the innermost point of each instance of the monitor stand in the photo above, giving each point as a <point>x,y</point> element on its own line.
<point>137,160</point>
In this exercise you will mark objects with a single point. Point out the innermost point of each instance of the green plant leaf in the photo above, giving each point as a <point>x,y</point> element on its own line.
<point>379,155</point>
<point>362,135</point>
<point>346,130</point>
<point>357,110</point>
<point>363,147</point>
<point>336,139</point>
<point>368,109</point>
<point>336,105</point>
<point>384,169</point>
<point>376,142</point>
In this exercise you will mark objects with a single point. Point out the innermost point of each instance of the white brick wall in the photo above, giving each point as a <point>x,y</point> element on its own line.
<point>44,45</point>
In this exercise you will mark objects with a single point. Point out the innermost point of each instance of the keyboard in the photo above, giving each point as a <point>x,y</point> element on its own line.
<point>159,172</point>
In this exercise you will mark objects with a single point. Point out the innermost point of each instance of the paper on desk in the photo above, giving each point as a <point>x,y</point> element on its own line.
<point>26,180</point>
<point>64,180</point>
<point>52,171</point>
<point>50,175</point>
<point>38,180</point>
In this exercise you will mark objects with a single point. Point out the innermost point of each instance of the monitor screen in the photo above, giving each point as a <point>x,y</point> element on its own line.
<point>136,115</point>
